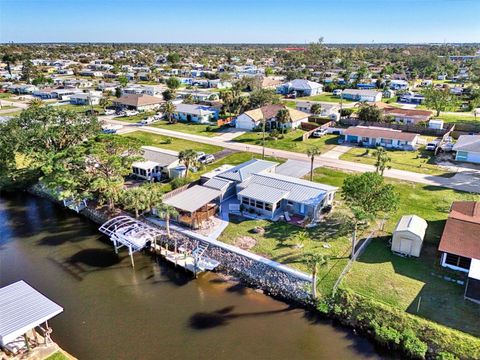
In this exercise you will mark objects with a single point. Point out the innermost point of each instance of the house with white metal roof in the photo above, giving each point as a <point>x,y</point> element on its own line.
<point>301,87</point>
<point>195,113</point>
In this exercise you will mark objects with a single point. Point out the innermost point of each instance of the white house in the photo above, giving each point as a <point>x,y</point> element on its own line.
<point>301,87</point>
<point>195,113</point>
<point>361,95</point>
<point>467,148</point>
<point>90,98</point>
<point>253,118</point>
<point>138,102</point>
<point>159,164</point>
<point>373,136</point>
<point>327,109</point>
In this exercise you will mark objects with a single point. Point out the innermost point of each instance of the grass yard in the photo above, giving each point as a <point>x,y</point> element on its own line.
<point>172,144</point>
<point>400,282</point>
<point>280,242</point>
<point>189,128</point>
<point>459,119</point>
<point>8,107</point>
<point>57,356</point>
<point>290,104</point>
<point>80,108</point>
<point>5,95</point>
<point>326,96</point>
<point>136,118</point>
<point>420,161</point>
<point>12,113</point>
<point>292,141</point>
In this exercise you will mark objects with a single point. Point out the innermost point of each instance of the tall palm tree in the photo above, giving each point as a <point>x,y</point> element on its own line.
<point>104,102</point>
<point>189,158</point>
<point>313,260</point>
<point>135,199</point>
<point>35,102</point>
<point>312,152</point>
<point>316,109</point>
<point>283,117</point>
<point>169,110</point>
<point>227,98</point>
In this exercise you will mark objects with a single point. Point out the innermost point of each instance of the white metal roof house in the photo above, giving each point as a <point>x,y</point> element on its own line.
<point>467,148</point>
<point>301,87</point>
<point>362,95</point>
<point>253,118</point>
<point>408,235</point>
<point>22,308</point>
<point>195,113</point>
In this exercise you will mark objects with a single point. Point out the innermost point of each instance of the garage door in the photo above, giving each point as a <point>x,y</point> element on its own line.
<point>473,157</point>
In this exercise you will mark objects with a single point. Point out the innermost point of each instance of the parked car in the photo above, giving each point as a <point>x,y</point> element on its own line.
<point>109,112</point>
<point>131,113</point>
<point>292,95</point>
<point>337,92</point>
<point>200,154</point>
<point>206,159</point>
<point>432,145</point>
<point>158,116</point>
<point>148,120</point>
<point>319,133</point>
<point>448,147</point>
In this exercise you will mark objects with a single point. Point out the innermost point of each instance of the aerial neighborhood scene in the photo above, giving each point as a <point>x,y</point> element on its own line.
<point>212,180</point>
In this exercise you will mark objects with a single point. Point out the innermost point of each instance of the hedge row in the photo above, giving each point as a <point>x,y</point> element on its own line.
<point>399,331</point>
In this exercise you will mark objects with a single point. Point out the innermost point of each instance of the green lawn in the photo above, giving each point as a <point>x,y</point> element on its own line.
<point>5,95</point>
<point>57,356</point>
<point>459,119</point>
<point>400,282</point>
<point>175,144</point>
<point>326,96</point>
<point>290,104</point>
<point>292,141</point>
<point>136,118</point>
<point>280,243</point>
<point>8,107</point>
<point>12,113</point>
<point>189,128</point>
<point>420,161</point>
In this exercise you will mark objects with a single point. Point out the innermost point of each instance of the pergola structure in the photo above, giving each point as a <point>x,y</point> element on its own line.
<point>126,231</point>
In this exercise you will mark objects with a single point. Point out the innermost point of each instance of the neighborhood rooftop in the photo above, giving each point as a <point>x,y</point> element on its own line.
<point>244,171</point>
<point>162,157</point>
<point>378,132</point>
<point>193,198</point>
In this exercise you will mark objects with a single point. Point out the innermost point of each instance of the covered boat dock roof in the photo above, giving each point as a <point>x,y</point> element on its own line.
<point>23,308</point>
<point>193,198</point>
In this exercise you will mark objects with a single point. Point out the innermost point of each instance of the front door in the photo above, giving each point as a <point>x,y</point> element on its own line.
<point>406,246</point>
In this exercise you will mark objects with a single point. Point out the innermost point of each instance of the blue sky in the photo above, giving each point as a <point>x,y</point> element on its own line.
<point>236,21</point>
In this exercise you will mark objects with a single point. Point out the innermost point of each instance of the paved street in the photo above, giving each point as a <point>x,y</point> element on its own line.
<point>462,181</point>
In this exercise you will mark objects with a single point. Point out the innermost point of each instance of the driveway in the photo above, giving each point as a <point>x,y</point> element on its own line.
<point>294,168</point>
<point>337,151</point>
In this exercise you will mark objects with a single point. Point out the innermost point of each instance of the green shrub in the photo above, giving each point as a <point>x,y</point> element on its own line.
<point>412,345</point>
<point>386,335</point>
<point>179,182</point>
<point>443,355</point>
<point>208,128</point>
<point>168,140</point>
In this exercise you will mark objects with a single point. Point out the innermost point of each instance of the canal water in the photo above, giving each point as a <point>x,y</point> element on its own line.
<point>152,312</point>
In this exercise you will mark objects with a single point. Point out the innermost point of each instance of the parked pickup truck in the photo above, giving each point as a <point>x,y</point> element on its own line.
<point>432,145</point>
<point>319,133</point>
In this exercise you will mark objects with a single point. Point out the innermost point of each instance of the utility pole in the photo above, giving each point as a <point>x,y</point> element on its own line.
<point>263,139</point>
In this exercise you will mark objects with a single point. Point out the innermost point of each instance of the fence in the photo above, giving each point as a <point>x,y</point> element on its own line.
<point>312,127</point>
<point>180,189</point>
<point>221,122</point>
<point>407,128</point>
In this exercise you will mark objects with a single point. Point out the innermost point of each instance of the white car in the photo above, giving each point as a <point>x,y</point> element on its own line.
<point>131,113</point>
<point>319,133</point>
<point>148,120</point>
<point>158,116</point>
<point>337,92</point>
<point>432,146</point>
<point>109,112</point>
<point>206,159</point>
<point>200,154</point>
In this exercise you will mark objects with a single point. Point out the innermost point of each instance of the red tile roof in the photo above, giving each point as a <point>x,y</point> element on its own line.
<point>377,132</point>
<point>461,235</point>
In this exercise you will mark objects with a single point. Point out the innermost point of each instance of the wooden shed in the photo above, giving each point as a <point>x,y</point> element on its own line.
<point>408,235</point>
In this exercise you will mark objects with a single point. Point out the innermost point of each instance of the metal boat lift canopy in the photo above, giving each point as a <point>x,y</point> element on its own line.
<point>127,231</point>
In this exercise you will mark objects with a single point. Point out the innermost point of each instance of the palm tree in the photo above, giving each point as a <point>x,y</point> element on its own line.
<point>316,109</point>
<point>169,110</point>
<point>227,98</point>
<point>104,102</point>
<point>382,160</point>
<point>313,260</point>
<point>312,152</point>
<point>134,199</point>
<point>283,117</point>
<point>35,103</point>
<point>189,158</point>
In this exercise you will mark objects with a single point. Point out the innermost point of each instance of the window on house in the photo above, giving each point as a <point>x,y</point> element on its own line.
<point>458,261</point>
<point>365,139</point>
<point>268,207</point>
<point>259,204</point>
<point>387,141</point>
<point>462,155</point>
<point>246,201</point>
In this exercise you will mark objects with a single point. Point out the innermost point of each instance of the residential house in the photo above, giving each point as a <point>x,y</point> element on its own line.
<point>301,87</point>
<point>253,118</point>
<point>195,113</point>
<point>159,164</point>
<point>408,116</point>
<point>89,98</point>
<point>460,244</point>
<point>372,136</point>
<point>271,82</point>
<point>416,99</point>
<point>138,102</point>
<point>398,85</point>
<point>361,95</point>
<point>327,109</point>
<point>467,148</point>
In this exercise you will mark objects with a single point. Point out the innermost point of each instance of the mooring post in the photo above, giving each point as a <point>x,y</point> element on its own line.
<point>131,256</point>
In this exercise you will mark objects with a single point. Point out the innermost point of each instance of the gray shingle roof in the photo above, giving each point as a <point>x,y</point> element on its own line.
<point>467,143</point>
<point>162,157</point>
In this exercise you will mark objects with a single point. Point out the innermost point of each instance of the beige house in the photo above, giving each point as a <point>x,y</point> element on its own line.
<point>137,102</point>
<point>408,235</point>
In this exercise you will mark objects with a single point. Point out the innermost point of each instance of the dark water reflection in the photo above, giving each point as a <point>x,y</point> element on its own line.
<point>154,311</point>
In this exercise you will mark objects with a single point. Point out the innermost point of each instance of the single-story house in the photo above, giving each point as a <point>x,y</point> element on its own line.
<point>270,83</point>
<point>460,244</point>
<point>301,87</point>
<point>361,95</point>
<point>435,124</point>
<point>253,118</point>
<point>398,84</point>
<point>138,102</point>
<point>327,109</point>
<point>195,113</point>
<point>408,235</point>
<point>273,195</point>
<point>408,116</point>
<point>412,99</point>
<point>467,148</point>
<point>85,99</point>
<point>159,164</point>
<point>373,136</point>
